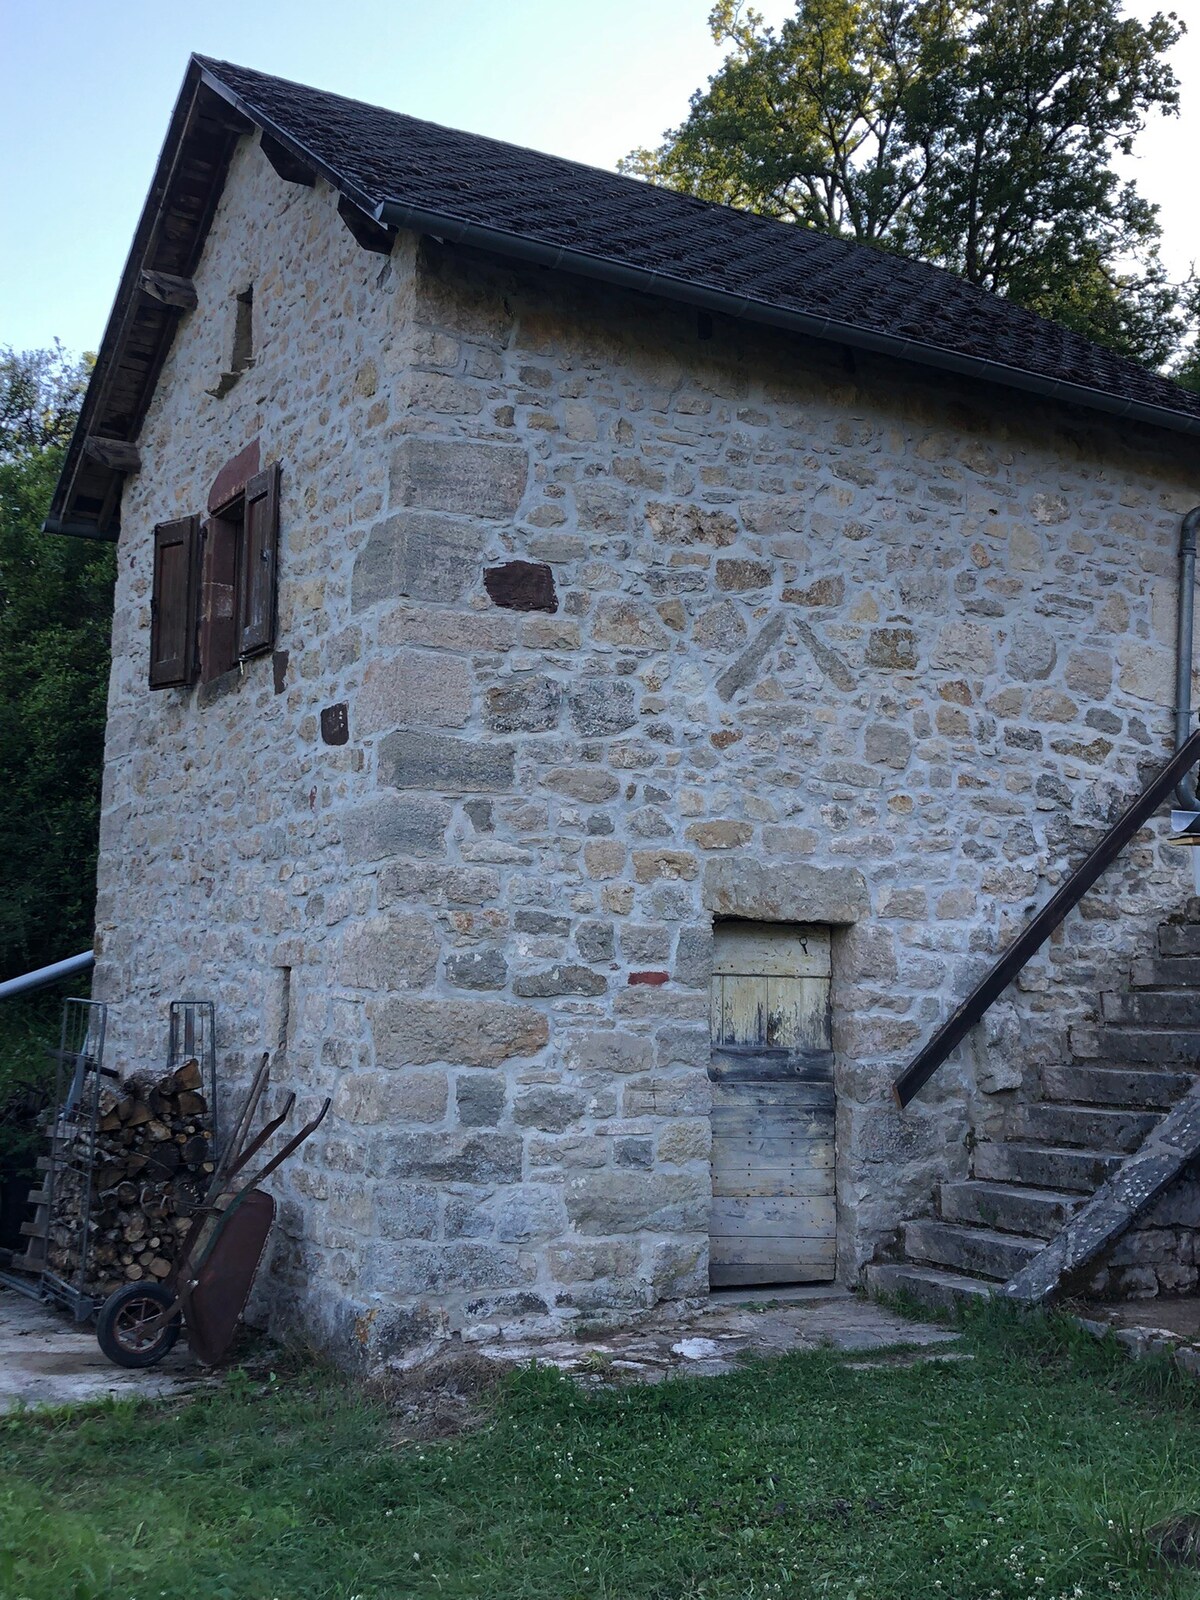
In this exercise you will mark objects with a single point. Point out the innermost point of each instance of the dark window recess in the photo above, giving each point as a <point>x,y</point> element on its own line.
<point>173,604</point>
<point>218,578</point>
<point>256,566</point>
<point>521,586</point>
<point>241,357</point>
<point>243,331</point>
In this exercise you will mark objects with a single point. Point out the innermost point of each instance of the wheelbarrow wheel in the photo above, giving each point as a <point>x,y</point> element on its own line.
<point>122,1328</point>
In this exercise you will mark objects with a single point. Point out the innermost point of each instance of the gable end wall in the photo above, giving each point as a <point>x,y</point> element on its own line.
<point>837,645</point>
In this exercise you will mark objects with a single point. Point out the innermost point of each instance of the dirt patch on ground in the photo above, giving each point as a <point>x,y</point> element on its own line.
<point>447,1395</point>
<point>1177,1541</point>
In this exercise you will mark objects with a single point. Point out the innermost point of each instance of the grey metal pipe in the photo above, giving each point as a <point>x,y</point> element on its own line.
<point>43,977</point>
<point>1185,790</point>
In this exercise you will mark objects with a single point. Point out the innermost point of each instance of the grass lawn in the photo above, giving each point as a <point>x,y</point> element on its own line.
<point>1034,1469</point>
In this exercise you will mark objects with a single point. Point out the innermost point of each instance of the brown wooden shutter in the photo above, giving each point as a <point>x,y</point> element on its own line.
<point>256,569</point>
<point>173,604</point>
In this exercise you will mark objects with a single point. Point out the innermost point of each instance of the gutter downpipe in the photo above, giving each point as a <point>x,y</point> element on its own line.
<point>1185,791</point>
<point>43,977</point>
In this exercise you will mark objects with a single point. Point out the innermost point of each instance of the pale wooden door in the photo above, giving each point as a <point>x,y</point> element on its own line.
<point>773,1218</point>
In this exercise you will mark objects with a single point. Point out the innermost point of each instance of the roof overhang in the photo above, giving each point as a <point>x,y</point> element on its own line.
<point>170,237</point>
<point>398,215</point>
<point>208,120</point>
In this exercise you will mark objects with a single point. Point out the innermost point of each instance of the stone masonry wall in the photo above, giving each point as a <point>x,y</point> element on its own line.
<point>830,642</point>
<point>1160,1254</point>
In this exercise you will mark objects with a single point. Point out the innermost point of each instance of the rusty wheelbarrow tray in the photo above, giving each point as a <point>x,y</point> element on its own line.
<point>211,1280</point>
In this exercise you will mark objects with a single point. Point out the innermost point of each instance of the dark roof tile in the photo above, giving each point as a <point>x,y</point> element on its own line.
<point>389,157</point>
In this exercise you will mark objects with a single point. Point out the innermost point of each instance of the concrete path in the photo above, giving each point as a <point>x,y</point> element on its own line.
<point>46,1359</point>
<point>721,1332</point>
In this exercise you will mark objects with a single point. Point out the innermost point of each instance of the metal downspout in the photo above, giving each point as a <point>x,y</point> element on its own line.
<point>1185,791</point>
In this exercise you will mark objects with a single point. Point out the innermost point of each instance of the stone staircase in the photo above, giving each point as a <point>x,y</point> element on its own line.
<point>1094,1110</point>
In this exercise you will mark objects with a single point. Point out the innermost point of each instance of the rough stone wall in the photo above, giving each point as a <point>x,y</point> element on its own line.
<point>1160,1254</point>
<point>829,644</point>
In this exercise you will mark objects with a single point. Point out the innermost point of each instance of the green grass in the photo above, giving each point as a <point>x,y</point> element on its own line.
<point>1033,1470</point>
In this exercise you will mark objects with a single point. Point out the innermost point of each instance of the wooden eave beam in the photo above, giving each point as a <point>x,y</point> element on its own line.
<point>168,243</point>
<point>168,289</point>
<point>285,162</point>
<point>118,454</point>
<point>371,235</point>
<point>80,530</point>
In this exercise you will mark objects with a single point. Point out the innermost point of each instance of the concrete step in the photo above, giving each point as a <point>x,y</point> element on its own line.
<point>1052,1122</point>
<point>1085,1084</point>
<point>1179,939</point>
<point>1007,1207</point>
<point>1171,972</point>
<point>1045,1167</point>
<point>937,1291</point>
<point>978,1251</point>
<point>1157,1046</point>
<point>1153,1008</point>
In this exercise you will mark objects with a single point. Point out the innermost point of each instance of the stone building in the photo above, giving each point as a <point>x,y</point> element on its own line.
<point>596,678</point>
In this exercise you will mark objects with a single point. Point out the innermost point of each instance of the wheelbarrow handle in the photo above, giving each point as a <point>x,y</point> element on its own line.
<point>293,1144</point>
<point>257,1089</point>
<point>259,1140</point>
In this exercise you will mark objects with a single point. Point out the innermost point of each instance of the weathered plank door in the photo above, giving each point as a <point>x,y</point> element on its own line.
<point>773,1218</point>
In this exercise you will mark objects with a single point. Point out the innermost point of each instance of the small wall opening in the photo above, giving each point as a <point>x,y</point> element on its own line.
<point>243,332</point>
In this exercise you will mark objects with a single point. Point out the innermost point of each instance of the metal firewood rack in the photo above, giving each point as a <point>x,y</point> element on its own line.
<point>72,1127</point>
<point>79,1076</point>
<point>192,1036</point>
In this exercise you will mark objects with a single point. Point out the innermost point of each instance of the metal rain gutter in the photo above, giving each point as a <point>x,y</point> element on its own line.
<point>79,530</point>
<point>501,241</point>
<point>397,214</point>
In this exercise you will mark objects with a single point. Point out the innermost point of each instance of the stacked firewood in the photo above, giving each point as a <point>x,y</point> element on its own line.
<point>152,1161</point>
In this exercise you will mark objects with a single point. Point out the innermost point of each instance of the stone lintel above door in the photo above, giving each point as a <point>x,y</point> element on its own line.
<point>785,891</point>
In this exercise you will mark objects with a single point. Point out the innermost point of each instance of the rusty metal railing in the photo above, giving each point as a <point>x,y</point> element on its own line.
<point>1042,925</point>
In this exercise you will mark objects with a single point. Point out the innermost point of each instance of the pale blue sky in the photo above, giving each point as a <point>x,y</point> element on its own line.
<point>86,88</point>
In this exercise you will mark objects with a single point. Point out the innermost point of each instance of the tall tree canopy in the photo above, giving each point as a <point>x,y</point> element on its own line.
<point>55,616</point>
<point>976,134</point>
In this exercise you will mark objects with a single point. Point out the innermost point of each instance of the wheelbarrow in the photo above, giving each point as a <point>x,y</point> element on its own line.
<point>210,1281</point>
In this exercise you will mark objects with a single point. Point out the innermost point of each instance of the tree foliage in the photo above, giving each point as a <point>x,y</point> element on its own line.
<point>976,134</point>
<point>55,616</point>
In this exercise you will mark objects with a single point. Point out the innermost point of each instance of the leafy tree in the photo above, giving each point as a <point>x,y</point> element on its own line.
<point>55,614</point>
<point>976,134</point>
<point>1187,372</point>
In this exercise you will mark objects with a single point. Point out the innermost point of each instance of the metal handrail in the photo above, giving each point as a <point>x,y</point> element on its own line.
<point>43,977</point>
<point>1042,925</point>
